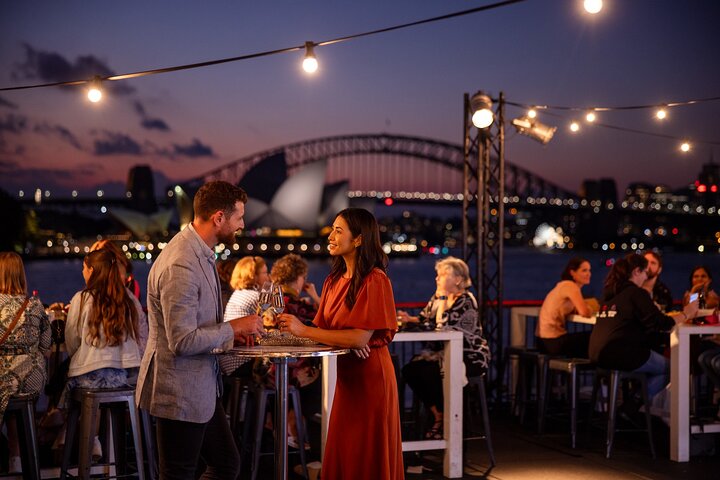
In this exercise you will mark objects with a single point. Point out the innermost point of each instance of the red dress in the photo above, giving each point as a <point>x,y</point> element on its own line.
<point>364,440</point>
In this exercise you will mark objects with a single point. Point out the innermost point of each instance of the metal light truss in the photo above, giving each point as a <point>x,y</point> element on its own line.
<point>483,225</point>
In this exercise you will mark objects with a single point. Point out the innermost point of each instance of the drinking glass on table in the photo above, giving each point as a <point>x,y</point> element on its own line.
<point>278,301</point>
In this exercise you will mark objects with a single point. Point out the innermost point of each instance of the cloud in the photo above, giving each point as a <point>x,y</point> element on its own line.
<point>117,144</point>
<point>60,131</point>
<point>53,67</point>
<point>7,103</point>
<point>150,123</point>
<point>13,123</point>
<point>194,150</point>
<point>18,175</point>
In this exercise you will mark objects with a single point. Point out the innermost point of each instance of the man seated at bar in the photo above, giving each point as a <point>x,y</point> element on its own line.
<point>566,298</point>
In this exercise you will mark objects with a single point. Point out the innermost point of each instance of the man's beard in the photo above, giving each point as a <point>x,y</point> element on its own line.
<point>226,237</point>
<point>652,275</point>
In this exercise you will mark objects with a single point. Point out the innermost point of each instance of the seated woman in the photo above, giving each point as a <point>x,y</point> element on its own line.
<point>101,331</point>
<point>564,299</point>
<point>24,338</point>
<point>621,337</point>
<point>248,276</point>
<point>452,307</point>
<point>290,273</point>
<point>700,281</point>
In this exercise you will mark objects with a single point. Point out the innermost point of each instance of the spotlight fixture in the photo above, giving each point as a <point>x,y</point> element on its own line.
<point>94,92</point>
<point>310,63</point>
<point>534,129</point>
<point>593,6</point>
<point>481,108</point>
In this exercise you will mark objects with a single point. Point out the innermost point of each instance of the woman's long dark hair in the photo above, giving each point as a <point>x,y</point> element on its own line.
<point>621,271</point>
<point>113,309</point>
<point>368,255</point>
<point>572,266</point>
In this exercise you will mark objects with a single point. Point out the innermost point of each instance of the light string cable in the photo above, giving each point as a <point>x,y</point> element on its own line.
<point>156,71</point>
<point>546,111</point>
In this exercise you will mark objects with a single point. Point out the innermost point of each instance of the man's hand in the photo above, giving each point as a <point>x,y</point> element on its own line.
<point>244,326</point>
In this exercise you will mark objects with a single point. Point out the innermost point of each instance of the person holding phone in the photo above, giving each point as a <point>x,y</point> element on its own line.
<point>700,281</point>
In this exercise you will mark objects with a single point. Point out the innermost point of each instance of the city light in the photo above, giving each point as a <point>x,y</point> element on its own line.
<point>593,6</point>
<point>310,63</point>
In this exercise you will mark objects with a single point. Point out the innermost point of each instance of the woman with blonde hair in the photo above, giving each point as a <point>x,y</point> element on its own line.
<point>248,276</point>
<point>24,338</point>
<point>102,330</point>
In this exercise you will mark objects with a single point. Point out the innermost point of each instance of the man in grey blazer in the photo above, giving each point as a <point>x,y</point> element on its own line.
<point>179,381</point>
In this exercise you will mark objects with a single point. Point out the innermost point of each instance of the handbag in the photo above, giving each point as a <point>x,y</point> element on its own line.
<point>14,322</point>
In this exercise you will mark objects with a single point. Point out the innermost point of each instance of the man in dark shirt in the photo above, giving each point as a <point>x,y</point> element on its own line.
<point>659,292</point>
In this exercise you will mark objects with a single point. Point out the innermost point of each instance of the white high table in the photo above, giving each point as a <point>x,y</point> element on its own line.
<point>452,391</point>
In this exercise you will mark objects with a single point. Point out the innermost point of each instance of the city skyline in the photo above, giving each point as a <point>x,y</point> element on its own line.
<point>406,82</point>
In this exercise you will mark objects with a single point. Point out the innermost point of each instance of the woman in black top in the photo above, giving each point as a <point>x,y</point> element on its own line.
<point>621,338</point>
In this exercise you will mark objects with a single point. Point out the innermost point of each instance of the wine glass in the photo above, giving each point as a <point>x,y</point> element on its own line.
<point>265,299</point>
<point>278,301</point>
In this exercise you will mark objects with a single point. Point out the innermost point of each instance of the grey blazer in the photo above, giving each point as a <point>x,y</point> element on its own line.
<point>179,374</point>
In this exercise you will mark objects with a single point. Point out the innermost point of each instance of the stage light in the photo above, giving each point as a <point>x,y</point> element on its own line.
<point>534,129</point>
<point>481,108</point>
<point>593,6</point>
<point>94,92</point>
<point>310,63</point>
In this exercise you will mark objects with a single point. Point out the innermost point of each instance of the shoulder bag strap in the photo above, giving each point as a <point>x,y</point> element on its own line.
<point>14,322</point>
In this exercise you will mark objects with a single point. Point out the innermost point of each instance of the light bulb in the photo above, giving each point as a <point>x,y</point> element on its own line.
<point>661,114</point>
<point>94,93</point>
<point>532,113</point>
<point>685,147</point>
<point>574,127</point>
<point>590,117</point>
<point>593,6</point>
<point>481,108</point>
<point>310,63</point>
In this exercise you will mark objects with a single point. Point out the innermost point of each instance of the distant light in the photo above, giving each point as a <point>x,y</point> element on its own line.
<point>701,248</point>
<point>532,113</point>
<point>47,193</point>
<point>100,193</point>
<point>685,147</point>
<point>103,209</point>
<point>178,189</point>
<point>388,201</point>
<point>310,63</point>
<point>701,188</point>
<point>593,6</point>
<point>21,194</point>
<point>128,194</point>
<point>94,92</point>
<point>574,127</point>
<point>661,114</point>
<point>74,193</point>
<point>590,117</point>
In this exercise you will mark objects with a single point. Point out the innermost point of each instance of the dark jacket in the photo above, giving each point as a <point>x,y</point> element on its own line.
<point>621,337</point>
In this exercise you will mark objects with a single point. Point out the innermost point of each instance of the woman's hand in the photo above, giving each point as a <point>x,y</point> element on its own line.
<point>690,310</point>
<point>362,353</point>
<point>404,317</point>
<point>290,323</point>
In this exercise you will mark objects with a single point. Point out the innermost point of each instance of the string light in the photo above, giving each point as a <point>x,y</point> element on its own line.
<point>593,6</point>
<point>590,117</point>
<point>94,93</point>
<point>685,147</point>
<point>574,127</point>
<point>661,114</point>
<point>310,63</point>
<point>532,113</point>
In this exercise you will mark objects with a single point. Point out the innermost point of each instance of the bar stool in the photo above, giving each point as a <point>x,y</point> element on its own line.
<point>237,400</point>
<point>85,408</point>
<point>255,416</point>
<point>614,379</point>
<point>569,367</point>
<point>24,406</point>
<point>476,399</point>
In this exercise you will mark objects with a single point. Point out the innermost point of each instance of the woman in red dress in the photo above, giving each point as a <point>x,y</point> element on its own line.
<point>357,311</point>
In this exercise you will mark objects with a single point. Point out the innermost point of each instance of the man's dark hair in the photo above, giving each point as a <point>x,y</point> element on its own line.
<point>217,195</point>
<point>655,254</point>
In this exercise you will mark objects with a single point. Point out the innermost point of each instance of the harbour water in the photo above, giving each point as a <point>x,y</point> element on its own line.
<point>529,274</point>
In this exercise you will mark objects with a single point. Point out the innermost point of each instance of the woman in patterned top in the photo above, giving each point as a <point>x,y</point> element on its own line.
<point>22,364</point>
<point>247,278</point>
<point>452,307</point>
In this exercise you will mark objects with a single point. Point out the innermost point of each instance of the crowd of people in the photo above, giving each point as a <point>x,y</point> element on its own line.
<point>198,308</point>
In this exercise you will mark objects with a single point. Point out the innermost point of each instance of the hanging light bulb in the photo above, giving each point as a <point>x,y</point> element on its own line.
<point>94,92</point>
<point>310,63</point>
<point>685,147</point>
<point>593,6</point>
<point>481,108</point>
<point>574,126</point>
<point>661,114</point>
<point>590,117</point>
<point>532,113</point>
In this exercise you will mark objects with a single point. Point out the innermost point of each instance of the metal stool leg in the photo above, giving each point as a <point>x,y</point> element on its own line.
<point>486,420</point>
<point>648,419</point>
<point>612,406</point>
<point>295,395</point>
<point>572,387</point>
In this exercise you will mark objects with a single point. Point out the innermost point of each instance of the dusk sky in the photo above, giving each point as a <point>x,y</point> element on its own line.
<point>408,82</point>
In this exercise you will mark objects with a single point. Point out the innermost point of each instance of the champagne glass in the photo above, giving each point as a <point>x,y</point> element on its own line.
<point>265,300</point>
<point>278,301</point>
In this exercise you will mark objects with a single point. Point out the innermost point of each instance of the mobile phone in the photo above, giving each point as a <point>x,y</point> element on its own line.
<point>693,297</point>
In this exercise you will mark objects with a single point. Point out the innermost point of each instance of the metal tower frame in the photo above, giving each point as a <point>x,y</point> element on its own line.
<point>483,225</point>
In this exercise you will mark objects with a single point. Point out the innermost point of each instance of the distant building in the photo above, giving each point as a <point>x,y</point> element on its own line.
<point>603,190</point>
